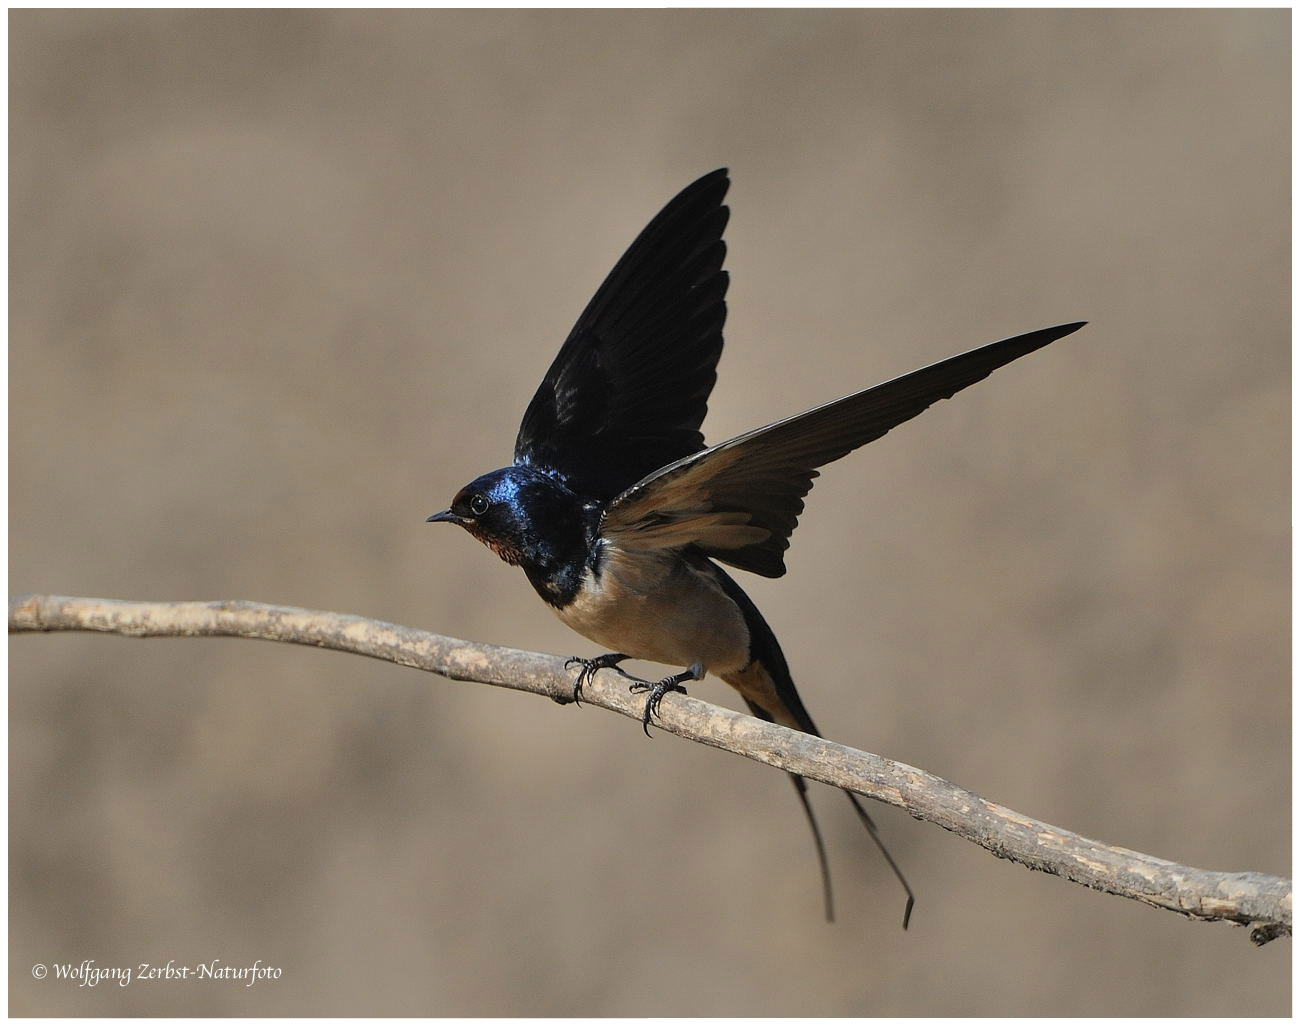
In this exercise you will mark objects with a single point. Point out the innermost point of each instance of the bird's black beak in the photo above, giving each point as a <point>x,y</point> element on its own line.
<point>445,517</point>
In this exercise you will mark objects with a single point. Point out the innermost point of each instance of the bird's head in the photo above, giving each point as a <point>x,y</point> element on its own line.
<point>493,509</point>
<point>519,513</point>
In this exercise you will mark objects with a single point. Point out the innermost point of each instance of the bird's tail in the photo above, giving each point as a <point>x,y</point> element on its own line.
<point>801,788</point>
<point>769,691</point>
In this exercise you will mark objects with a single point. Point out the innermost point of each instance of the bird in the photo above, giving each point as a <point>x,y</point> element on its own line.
<point>618,513</point>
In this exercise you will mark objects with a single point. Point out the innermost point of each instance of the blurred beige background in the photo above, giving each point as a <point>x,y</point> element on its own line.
<point>281,282</point>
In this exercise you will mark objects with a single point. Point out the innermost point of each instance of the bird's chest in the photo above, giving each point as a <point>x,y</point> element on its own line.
<point>657,606</point>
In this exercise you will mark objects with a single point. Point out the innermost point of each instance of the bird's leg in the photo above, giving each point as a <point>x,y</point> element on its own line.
<point>608,661</point>
<point>660,688</point>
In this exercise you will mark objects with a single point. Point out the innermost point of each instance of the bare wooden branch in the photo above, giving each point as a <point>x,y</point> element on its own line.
<point>1255,900</point>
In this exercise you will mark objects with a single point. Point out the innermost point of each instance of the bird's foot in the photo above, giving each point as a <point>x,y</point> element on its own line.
<point>660,688</point>
<point>608,661</point>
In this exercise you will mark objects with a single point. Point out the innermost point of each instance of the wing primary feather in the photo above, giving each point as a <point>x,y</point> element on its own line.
<point>765,473</point>
<point>629,388</point>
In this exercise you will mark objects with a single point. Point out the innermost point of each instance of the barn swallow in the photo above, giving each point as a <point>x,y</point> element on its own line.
<point>619,515</point>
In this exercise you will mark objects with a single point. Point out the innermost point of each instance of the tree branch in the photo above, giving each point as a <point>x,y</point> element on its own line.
<point>1256,900</point>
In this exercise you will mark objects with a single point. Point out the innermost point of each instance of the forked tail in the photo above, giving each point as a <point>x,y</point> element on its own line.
<point>770,693</point>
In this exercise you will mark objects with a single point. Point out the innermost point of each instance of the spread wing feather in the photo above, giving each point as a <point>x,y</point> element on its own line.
<point>629,388</point>
<point>740,501</point>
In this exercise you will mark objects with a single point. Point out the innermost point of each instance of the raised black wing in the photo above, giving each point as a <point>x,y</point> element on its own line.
<point>740,501</point>
<point>630,386</point>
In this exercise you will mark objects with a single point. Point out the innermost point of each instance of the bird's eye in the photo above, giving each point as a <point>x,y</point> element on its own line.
<point>478,505</point>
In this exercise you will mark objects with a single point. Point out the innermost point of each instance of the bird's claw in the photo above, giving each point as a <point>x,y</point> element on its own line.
<point>657,689</point>
<point>608,661</point>
<point>663,687</point>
